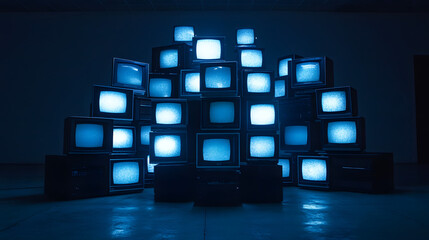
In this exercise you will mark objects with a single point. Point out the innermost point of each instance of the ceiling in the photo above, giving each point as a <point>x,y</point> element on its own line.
<point>201,5</point>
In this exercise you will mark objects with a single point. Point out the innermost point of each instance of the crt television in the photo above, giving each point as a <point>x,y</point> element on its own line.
<point>218,150</point>
<point>245,36</point>
<point>218,78</point>
<point>300,136</point>
<point>183,34</point>
<point>336,102</point>
<point>343,134</point>
<point>311,73</point>
<point>130,74</point>
<point>284,65</point>
<point>262,115</point>
<point>250,57</point>
<point>142,135</point>
<point>288,164</point>
<point>126,174</point>
<point>262,146</point>
<point>113,102</point>
<point>208,49</point>
<point>190,83</point>
<point>314,171</point>
<point>163,85</point>
<point>220,113</point>
<point>171,113</point>
<point>124,139</point>
<point>258,84</point>
<point>84,135</point>
<point>168,147</point>
<point>171,58</point>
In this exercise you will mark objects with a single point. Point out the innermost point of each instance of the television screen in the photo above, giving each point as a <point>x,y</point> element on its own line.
<point>168,147</point>
<point>311,73</point>
<point>262,114</point>
<point>192,82</point>
<point>208,48</point>
<point>284,67</point>
<point>295,135</point>
<point>285,163</point>
<point>308,72</point>
<point>168,113</point>
<point>126,173</point>
<point>262,146</point>
<point>342,132</point>
<point>314,169</point>
<point>245,36</point>
<point>334,101</point>
<point>183,33</point>
<point>169,58</point>
<point>280,88</point>
<point>220,113</point>
<point>251,58</point>
<point>144,134</point>
<point>218,78</point>
<point>112,102</point>
<point>258,82</point>
<point>130,74</point>
<point>123,137</point>
<point>160,87</point>
<point>218,150</point>
<point>338,101</point>
<point>89,135</point>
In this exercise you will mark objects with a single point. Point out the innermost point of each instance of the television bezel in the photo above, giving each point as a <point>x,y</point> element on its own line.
<point>325,79</point>
<point>274,126</point>
<point>131,150</point>
<point>205,113</point>
<point>231,91</point>
<point>314,184</point>
<point>248,95</point>
<point>114,188</point>
<point>145,74</point>
<point>174,84</point>
<point>184,105</point>
<point>128,115</point>
<point>183,148</point>
<point>312,136</point>
<point>239,50</point>
<point>174,32</point>
<point>275,158</point>
<point>235,150</point>
<point>194,48</point>
<point>245,45</point>
<point>183,93</point>
<point>69,142</point>
<point>292,56</point>
<point>351,103</point>
<point>360,135</point>
<point>183,58</point>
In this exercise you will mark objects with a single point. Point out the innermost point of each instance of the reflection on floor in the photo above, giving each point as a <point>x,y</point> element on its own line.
<point>304,214</point>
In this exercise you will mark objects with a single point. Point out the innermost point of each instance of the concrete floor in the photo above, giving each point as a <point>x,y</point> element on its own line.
<point>304,214</point>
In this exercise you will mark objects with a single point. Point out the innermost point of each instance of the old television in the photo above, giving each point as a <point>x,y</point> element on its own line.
<point>218,78</point>
<point>168,147</point>
<point>245,36</point>
<point>218,150</point>
<point>336,102</point>
<point>142,108</point>
<point>299,136</point>
<point>314,171</point>
<point>150,167</point>
<point>190,83</point>
<point>126,174</point>
<point>263,146</point>
<point>343,134</point>
<point>171,58</point>
<point>262,115</point>
<point>171,113</point>
<point>284,65</point>
<point>113,102</point>
<point>281,88</point>
<point>311,73</point>
<point>124,139</point>
<point>84,135</point>
<point>250,57</point>
<point>142,135</point>
<point>288,164</point>
<point>183,34</point>
<point>163,85</point>
<point>300,108</point>
<point>258,84</point>
<point>220,113</point>
<point>130,74</point>
<point>208,48</point>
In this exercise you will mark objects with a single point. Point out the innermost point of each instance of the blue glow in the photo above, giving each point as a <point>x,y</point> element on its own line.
<point>112,102</point>
<point>280,88</point>
<point>314,169</point>
<point>334,101</point>
<point>251,58</point>
<point>183,33</point>
<point>307,72</point>
<point>296,135</point>
<point>222,112</point>
<point>129,74</point>
<point>150,166</point>
<point>245,36</point>
<point>168,113</point>
<point>145,135</point>
<point>284,67</point>
<point>218,77</point>
<point>342,132</point>
<point>192,82</point>
<point>169,58</point>
<point>208,49</point>
<point>262,146</point>
<point>160,87</point>
<point>89,135</point>
<point>126,172</point>
<point>285,167</point>
<point>167,146</point>
<point>123,138</point>
<point>258,82</point>
<point>216,150</point>
<point>262,114</point>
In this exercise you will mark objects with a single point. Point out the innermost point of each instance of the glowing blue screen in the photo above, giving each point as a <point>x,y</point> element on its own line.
<point>258,82</point>
<point>216,150</point>
<point>192,82</point>
<point>262,146</point>
<point>160,87</point>
<point>342,132</point>
<point>89,135</point>
<point>222,112</point>
<point>144,135</point>
<point>208,49</point>
<point>167,146</point>
<point>123,138</point>
<point>285,167</point>
<point>284,67</point>
<point>296,135</point>
<point>168,113</point>
<point>314,169</point>
<point>245,36</point>
<point>218,77</point>
<point>183,33</point>
<point>280,88</point>
<point>307,72</point>
<point>113,102</point>
<point>126,172</point>
<point>129,74</point>
<point>169,58</point>
<point>262,114</point>
<point>334,101</point>
<point>251,58</point>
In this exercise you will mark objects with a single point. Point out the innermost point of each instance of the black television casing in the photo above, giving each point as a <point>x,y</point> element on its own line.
<point>126,188</point>
<point>297,109</point>
<point>128,115</point>
<point>126,125</point>
<point>174,83</point>
<point>183,158</point>
<point>313,136</point>
<point>239,51</point>
<point>250,95</point>
<point>145,74</point>
<point>360,135</point>
<point>184,58</point>
<point>310,183</point>
<point>174,33</point>
<point>351,103</point>
<point>261,183</point>
<point>184,108</point>
<point>263,160</point>
<point>231,91</point>
<point>234,162</point>
<point>194,48</point>
<point>174,182</point>
<point>274,126</point>
<point>142,109</point>
<point>291,56</point>
<point>69,135</point>
<point>291,180</point>
<point>183,92</point>
<point>326,78</point>
<point>205,113</point>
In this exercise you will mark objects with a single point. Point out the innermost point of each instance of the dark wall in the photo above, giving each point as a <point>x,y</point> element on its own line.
<point>50,61</point>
